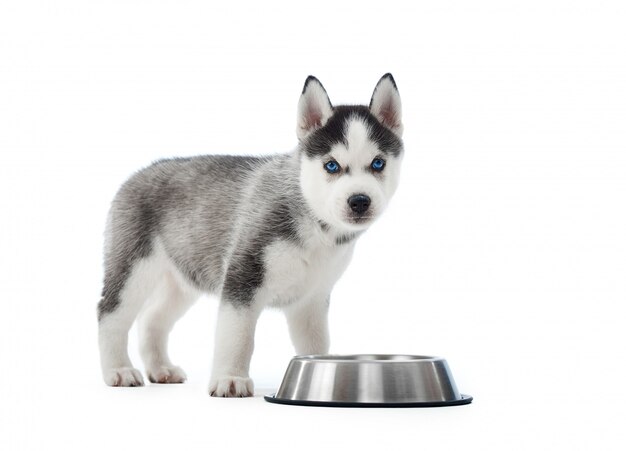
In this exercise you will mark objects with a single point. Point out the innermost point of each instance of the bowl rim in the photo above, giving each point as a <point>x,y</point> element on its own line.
<point>367,358</point>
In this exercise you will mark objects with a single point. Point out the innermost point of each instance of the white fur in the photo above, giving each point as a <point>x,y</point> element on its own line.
<point>308,325</point>
<point>234,343</point>
<point>327,195</point>
<point>295,274</point>
<point>172,299</point>
<point>158,294</point>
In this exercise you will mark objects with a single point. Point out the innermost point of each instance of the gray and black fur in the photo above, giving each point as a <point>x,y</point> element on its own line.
<point>192,205</point>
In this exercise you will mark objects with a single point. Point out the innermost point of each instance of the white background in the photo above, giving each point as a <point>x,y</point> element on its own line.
<point>504,249</point>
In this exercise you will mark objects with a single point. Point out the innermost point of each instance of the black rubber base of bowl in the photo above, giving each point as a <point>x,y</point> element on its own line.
<point>465,399</point>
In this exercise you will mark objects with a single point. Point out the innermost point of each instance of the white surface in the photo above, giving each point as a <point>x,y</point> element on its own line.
<point>504,250</point>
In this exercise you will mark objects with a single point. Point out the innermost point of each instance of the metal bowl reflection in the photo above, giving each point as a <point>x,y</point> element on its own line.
<point>363,380</point>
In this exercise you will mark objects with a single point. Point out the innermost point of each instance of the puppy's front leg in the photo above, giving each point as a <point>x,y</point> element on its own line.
<point>308,325</point>
<point>234,343</point>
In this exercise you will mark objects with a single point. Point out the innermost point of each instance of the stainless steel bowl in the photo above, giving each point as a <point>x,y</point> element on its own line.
<point>369,381</point>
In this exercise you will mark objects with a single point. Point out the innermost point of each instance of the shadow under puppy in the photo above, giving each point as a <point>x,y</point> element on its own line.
<point>271,231</point>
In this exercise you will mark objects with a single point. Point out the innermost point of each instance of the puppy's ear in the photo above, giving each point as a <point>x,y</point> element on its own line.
<point>385,104</point>
<point>314,107</point>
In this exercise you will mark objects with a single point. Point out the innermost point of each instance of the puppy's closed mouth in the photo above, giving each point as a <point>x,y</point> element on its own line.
<point>360,219</point>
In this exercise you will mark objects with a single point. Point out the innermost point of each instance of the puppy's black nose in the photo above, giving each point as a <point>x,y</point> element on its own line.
<point>359,203</point>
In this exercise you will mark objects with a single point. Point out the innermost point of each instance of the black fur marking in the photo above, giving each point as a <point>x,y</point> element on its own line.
<point>244,276</point>
<point>246,273</point>
<point>345,239</point>
<point>247,270</point>
<point>325,227</point>
<point>387,76</point>
<point>320,142</point>
<point>310,79</point>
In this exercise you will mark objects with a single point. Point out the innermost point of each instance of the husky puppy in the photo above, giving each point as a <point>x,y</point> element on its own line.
<point>275,231</point>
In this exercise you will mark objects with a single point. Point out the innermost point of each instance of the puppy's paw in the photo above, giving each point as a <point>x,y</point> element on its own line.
<point>166,375</point>
<point>123,377</point>
<point>231,387</point>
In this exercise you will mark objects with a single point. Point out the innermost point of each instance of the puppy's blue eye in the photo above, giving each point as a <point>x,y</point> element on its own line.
<point>332,167</point>
<point>378,164</point>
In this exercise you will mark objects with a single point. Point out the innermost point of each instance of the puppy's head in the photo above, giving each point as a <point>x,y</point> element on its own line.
<point>350,155</point>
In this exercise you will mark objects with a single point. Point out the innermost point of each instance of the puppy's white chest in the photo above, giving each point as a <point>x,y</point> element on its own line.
<point>293,273</point>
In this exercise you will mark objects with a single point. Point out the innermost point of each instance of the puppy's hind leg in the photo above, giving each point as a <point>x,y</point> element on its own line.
<point>125,292</point>
<point>156,321</point>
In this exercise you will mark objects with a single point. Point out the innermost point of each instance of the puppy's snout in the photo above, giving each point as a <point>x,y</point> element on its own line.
<point>359,203</point>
